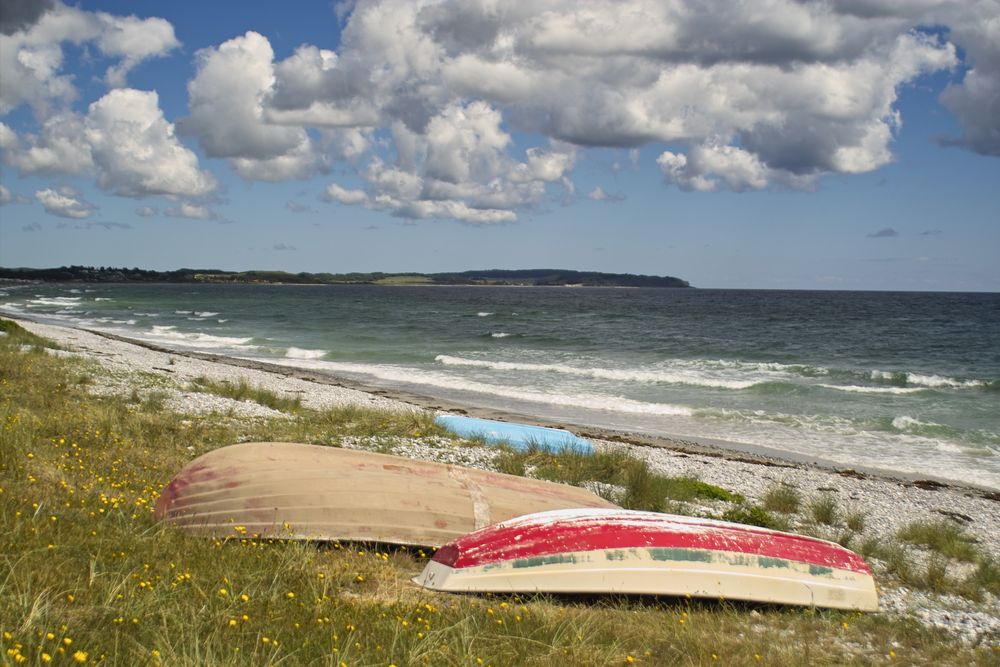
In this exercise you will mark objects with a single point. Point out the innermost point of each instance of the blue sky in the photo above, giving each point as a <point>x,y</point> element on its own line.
<point>774,144</point>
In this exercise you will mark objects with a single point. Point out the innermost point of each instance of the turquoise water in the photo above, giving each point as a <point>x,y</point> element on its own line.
<point>898,381</point>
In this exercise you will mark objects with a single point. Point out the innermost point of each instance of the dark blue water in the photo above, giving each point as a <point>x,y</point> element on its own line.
<point>899,381</point>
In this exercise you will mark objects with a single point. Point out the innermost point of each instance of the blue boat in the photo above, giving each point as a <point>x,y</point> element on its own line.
<point>520,437</point>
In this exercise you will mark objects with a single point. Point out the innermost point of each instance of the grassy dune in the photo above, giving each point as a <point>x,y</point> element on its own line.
<point>87,575</point>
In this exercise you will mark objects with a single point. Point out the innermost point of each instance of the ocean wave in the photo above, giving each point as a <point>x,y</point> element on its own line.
<point>484,314</point>
<point>818,423</point>
<point>111,320</point>
<point>170,335</point>
<point>401,375</point>
<point>500,334</point>
<point>643,376</point>
<point>936,381</point>
<point>857,389</point>
<point>903,430</point>
<point>103,298</point>
<point>742,366</point>
<point>929,381</point>
<point>301,353</point>
<point>907,423</point>
<point>57,301</point>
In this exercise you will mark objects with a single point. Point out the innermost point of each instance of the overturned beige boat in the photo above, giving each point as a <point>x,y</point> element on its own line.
<point>310,492</point>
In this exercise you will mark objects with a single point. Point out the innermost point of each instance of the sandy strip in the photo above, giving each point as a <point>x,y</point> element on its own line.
<point>887,503</point>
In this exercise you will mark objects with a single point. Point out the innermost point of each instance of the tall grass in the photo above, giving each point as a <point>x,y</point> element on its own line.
<point>631,482</point>
<point>945,546</point>
<point>782,498</point>
<point>824,509</point>
<point>87,575</point>
<point>244,391</point>
<point>941,536</point>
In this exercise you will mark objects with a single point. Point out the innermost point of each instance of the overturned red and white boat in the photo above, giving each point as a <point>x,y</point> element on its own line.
<point>629,552</point>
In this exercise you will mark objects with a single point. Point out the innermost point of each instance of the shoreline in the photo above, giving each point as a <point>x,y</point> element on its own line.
<point>886,503</point>
<point>724,449</point>
<point>713,448</point>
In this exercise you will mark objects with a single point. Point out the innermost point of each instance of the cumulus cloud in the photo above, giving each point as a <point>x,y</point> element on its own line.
<point>60,147</point>
<point>145,211</point>
<point>124,140</point>
<point>284,247</point>
<point>31,56</point>
<point>748,96</point>
<point>884,233</point>
<point>5,195</point>
<point>477,111</point>
<point>334,192</point>
<point>64,203</point>
<point>135,150</point>
<point>21,14</point>
<point>976,99</point>
<point>227,113</point>
<point>191,211</point>
<point>599,194</point>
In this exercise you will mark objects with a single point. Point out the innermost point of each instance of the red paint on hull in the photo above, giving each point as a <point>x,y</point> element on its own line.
<point>550,533</point>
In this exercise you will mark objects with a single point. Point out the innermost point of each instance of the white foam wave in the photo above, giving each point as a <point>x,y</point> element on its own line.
<point>400,375</point>
<point>205,313</point>
<point>929,381</point>
<point>58,301</point>
<point>300,353</point>
<point>162,328</point>
<point>198,340</point>
<point>182,312</point>
<point>856,389</point>
<point>111,320</point>
<point>679,376</point>
<point>484,314</point>
<point>937,381</point>
<point>103,298</point>
<point>500,334</point>
<point>769,367</point>
<point>905,423</point>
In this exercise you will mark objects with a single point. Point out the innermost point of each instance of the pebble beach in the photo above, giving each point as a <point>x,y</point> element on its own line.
<point>886,503</point>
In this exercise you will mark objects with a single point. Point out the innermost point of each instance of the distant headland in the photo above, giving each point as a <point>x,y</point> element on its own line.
<point>518,277</point>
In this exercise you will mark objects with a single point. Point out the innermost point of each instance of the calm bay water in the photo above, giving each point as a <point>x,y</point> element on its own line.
<point>903,382</point>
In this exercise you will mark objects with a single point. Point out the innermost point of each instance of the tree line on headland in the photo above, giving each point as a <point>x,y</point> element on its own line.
<point>523,277</point>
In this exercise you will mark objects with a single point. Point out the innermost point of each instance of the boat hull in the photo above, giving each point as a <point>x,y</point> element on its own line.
<point>309,492</point>
<point>644,553</point>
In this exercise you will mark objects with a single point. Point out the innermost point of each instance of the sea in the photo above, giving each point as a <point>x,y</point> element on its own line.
<point>899,382</point>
